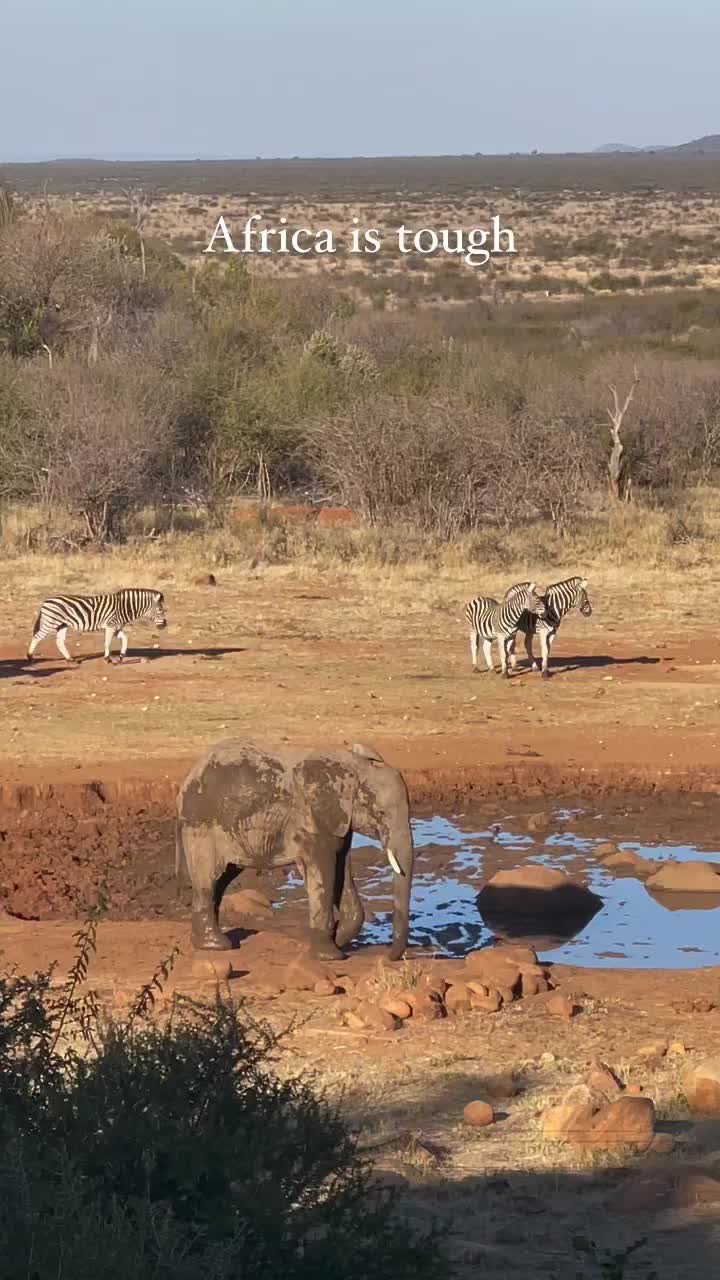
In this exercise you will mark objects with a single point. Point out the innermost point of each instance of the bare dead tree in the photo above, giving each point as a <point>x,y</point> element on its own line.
<point>140,205</point>
<point>618,466</point>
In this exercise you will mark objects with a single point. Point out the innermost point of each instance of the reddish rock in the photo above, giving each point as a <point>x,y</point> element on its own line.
<point>701,1085</point>
<point>539,821</point>
<point>425,1007</point>
<point>372,1017</point>
<point>397,1007</point>
<point>500,1087</point>
<point>325,987</point>
<point>458,999</point>
<point>532,984</point>
<point>687,877</point>
<point>627,860</point>
<point>506,994</point>
<point>604,1081</point>
<point>214,966</point>
<point>652,1052</point>
<point>628,1122</point>
<point>205,580</point>
<point>695,1187</point>
<point>249,902</point>
<point>605,849</point>
<point>304,972</point>
<point>478,1115</point>
<point>570,1121</point>
<point>490,1003</point>
<point>663,1144</point>
<point>477,988</point>
<point>561,1006</point>
<point>537,892</point>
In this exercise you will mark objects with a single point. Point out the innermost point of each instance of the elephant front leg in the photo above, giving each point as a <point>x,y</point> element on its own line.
<point>319,882</point>
<point>347,903</point>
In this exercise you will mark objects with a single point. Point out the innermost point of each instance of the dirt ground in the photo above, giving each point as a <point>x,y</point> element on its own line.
<point>91,756</point>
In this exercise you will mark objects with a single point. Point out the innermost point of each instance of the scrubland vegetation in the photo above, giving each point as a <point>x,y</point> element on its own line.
<point>140,394</point>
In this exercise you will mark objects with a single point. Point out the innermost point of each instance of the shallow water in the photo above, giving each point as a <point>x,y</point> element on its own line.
<point>453,860</point>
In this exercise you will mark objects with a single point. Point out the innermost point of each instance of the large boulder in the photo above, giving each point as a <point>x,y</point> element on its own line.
<point>701,1085</point>
<point>538,902</point>
<point>686,877</point>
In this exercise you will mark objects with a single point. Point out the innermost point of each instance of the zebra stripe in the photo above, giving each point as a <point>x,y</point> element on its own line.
<point>489,619</point>
<point>111,613</point>
<point>560,598</point>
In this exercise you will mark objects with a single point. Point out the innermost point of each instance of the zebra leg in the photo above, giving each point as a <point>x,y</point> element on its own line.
<point>60,637</point>
<point>503,646</point>
<point>545,652</point>
<point>122,637</point>
<point>487,651</point>
<point>529,651</point>
<point>110,634</point>
<point>511,652</point>
<point>474,648</point>
<point>35,641</point>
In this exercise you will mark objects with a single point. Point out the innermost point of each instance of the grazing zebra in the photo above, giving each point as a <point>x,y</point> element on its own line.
<point>489,620</point>
<point>559,598</point>
<point>111,612</point>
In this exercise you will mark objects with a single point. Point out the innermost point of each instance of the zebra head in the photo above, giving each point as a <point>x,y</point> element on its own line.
<point>583,600</point>
<point>155,612</point>
<point>534,602</point>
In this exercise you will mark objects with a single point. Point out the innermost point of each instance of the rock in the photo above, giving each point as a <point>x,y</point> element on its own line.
<point>371,1017</point>
<point>536,891</point>
<point>506,994</point>
<point>425,1008</point>
<point>478,1115</point>
<point>561,1006</point>
<point>663,1144</point>
<point>604,1081</point>
<point>628,860</point>
<point>501,1087</point>
<point>641,1195</point>
<point>539,821</point>
<point>248,902</point>
<point>701,1085</point>
<point>547,1059</point>
<point>303,973</point>
<point>628,1122</point>
<point>477,988</point>
<point>205,580</point>
<point>694,1187</point>
<point>606,849</point>
<point>570,1121</point>
<point>633,1090</point>
<point>491,1003</point>
<point>677,1048</point>
<point>214,966</point>
<point>653,1051</point>
<point>532,984</point>
<point>492,970</point>
<point>687,877</point>
<point>397,1007</point>
<point>458,999</point>
<point>325,988</point>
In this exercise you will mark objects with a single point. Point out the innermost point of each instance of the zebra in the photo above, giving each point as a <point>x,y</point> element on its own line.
<point>111,613</point>
<point>559,598</point>
<point>490,620</point>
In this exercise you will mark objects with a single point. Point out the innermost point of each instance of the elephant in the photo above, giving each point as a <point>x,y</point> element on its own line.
<point>243,805</point>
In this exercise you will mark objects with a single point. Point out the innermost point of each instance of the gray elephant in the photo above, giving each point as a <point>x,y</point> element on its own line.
<point>244,806</point>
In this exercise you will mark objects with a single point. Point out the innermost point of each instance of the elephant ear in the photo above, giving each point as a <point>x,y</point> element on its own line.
<point>366,753</point>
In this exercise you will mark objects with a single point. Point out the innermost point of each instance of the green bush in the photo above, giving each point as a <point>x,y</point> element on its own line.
<point>142,1148</point>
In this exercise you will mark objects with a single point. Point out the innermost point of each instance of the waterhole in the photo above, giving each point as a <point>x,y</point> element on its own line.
<point>454,857</point>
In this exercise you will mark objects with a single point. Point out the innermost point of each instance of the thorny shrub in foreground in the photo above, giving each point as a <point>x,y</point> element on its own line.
<point>173,1150</point>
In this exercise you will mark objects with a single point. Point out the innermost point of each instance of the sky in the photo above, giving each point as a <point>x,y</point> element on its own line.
<point>237,78</point>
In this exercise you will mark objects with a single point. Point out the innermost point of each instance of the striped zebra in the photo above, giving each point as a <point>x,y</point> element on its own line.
<point>490,620</point>
<point>111,613</point>
<point>559,598</point>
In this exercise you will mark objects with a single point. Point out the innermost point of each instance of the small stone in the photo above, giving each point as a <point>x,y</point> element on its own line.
<point>604,1081</point>
<point>634,1090</point>
<point>506,994</point>
<point>325,988</point>
<point>303,973</point>
<point>491,1003</point>
<point>205,580</point>
<point>532,984</point>
<point>373,1017</point>
<point>458,998</point>
<point>676,1047</point>
<point>663,1144</point>
<point>687,877</point>
<point>653,1051</point>
<point>214,966</point>
<point>397,1007</point>
<point>607,847</point>
<point>501,1087</point>
<point>478,1115</point>
<point>561,1006</point>
<point>424,1007</point>
<point>628,1122</point>
<point>547,1059</point>
<point>701,1085</point>
<point>248,902</point>
<point>538,821</point>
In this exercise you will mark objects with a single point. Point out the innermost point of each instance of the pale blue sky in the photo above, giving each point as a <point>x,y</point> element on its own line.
<point>337,77</point>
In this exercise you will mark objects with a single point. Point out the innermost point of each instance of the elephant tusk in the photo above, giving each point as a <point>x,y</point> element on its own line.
<point>394,863</point>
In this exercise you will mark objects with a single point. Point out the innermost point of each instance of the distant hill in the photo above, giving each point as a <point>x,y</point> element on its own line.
<point>711,143</point>
<point>610,148</point>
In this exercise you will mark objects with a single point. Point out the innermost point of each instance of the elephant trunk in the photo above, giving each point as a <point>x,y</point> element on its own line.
<point>400,856</point>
